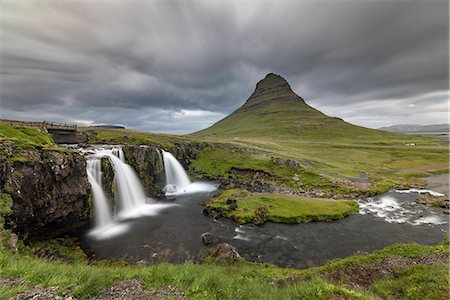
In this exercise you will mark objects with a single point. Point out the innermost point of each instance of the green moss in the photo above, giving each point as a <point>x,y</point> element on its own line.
<point>281,208</point>
<point>58,249</point>
<point>26,137</point>
<point>6,203</point>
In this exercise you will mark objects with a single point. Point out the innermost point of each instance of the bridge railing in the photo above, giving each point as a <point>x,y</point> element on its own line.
<point>44,124</point>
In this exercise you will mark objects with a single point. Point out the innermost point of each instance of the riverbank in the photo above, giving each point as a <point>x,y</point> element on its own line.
<point>415,272</point>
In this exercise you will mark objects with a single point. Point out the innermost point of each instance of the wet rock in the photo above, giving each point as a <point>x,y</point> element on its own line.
<point>49,189</point>
<point>147,161</point>
<point>223,252</point>
<point>207,238</point>
<point>212,212</point>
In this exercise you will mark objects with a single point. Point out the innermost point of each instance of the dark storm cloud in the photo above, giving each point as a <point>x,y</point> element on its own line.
<point>178,66</point>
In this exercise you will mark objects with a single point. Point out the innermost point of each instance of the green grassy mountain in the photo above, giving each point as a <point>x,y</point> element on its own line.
<point>275,111</point>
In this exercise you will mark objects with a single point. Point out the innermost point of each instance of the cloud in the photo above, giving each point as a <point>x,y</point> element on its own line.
<point>179,66</point>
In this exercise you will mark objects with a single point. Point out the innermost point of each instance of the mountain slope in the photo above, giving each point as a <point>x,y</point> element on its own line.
<point>275,111</point>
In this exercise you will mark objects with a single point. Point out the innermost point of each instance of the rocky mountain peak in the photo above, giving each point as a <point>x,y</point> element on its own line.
<point>272,87</point>
<point>272,81</point>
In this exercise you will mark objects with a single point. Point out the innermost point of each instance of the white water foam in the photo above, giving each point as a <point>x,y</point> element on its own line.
<point>421,191</point>
<point>393,210</point>
<point>131,201</point>
<point>177,180</point>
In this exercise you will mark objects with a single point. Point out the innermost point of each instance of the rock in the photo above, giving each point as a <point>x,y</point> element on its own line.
<point>261,215</point>
<point>232,204</point>
<point>296,178</point>
<point>223,252</point>
<point>147,161</point>
<point>212,212</point>
<point>207,238</point>
<point>134,290</point>
<point>170,188</point>
<point>49,189</point>
<point>286,161</point>
<point>12,242</point>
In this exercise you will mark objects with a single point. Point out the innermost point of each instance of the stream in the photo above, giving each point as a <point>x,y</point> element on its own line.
<point>173,235</point>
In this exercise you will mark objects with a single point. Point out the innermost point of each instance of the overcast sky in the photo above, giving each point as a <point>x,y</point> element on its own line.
<point>179,66</point>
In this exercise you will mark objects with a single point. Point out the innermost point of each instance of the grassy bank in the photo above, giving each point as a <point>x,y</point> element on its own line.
<point>243,280</point>
<point>333,165</point>
<point>26,137</point>
<point>245,207</point>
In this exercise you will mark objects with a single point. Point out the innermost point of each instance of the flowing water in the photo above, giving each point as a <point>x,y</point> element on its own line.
<point>177,180</point>
<point>101,207</point>
<point>173,234</point>
<point>131,201</point>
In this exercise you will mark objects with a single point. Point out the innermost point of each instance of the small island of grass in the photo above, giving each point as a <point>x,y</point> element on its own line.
<point>257,208</point>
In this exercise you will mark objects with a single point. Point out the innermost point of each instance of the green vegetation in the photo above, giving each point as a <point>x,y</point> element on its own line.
<point>26,137</point>
<point>408,283</point>
<point>127,136</point>
<point>246,207</point>
<point>234,280</point>
<point>6,203</point>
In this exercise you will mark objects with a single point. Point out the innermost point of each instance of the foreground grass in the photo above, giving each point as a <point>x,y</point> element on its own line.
<point>245,207</point>
<point>236,280</point>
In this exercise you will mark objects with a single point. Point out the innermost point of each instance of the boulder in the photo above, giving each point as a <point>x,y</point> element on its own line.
<point>223,252</point>
<point>207,238</point>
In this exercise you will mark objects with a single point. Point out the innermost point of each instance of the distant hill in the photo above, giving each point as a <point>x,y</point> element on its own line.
<point>275,111</point>
<point>418,128</point>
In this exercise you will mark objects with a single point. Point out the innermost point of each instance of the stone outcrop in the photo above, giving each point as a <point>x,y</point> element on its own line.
<point>49,189</point>
<point>222,253</point>
<point>147,161</point>
<point>185,152</point>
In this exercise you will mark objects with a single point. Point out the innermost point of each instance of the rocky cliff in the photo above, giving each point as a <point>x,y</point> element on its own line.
<point>49,189</point>
<point>148,163</point>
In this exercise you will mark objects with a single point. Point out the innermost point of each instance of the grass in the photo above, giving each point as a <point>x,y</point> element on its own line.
<point>329,166</point>
<point>238,280</point>
<point>26,137</point>
<point>409,284</point>
<point>280,208</point>
<point>128,136</point>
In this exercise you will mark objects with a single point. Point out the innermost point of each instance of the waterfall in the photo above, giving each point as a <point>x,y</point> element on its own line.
<point>131,201</point>
<point>177,180</point>
<point>176,177</point>
<point>130,194</point>
<point>101,207</point>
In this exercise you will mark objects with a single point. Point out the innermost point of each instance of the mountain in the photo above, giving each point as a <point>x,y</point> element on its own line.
<point>418,128</point>
<point>275,111</point>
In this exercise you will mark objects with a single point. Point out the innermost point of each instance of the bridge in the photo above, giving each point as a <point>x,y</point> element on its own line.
<point>60,132</point>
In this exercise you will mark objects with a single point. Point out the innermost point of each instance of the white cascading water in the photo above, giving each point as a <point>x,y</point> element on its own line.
<point>131,201</point>
<point>177,180</point>
<point>101,208</point>
<point>176,177</point>
<point>130,194</point>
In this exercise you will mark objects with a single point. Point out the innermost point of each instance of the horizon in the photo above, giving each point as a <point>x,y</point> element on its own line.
<point>174,68</point>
